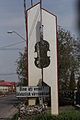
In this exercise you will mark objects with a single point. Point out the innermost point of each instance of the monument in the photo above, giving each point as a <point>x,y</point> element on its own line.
<point>42,51</point>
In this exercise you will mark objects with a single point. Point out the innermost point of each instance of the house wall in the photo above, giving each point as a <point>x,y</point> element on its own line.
<point>4,89</point>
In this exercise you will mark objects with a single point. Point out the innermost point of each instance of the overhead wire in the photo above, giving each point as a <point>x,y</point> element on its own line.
<point>3,49</point>
<point>6,47</point>
<point>5,74</point>
<point>10,45</point>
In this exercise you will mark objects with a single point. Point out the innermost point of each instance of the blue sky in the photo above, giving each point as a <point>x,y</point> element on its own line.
<point>12,18</point>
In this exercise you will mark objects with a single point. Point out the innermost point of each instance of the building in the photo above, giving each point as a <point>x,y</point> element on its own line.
<point>6,87</point>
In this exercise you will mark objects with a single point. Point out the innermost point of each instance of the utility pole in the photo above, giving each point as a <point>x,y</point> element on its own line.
<point>25,14</point>
<point>26,26</point>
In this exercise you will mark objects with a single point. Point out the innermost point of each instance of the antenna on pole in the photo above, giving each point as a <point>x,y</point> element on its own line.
<point>41,30</point>
<point>41,3</point>
<point>25,10</point>
<point>31,2</point>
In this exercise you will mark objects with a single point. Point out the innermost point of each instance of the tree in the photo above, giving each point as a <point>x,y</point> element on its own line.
<point>66,57</point>
<point>22,68</point>
<point>78,85</point>
<point>72,83</point>
<point>77,53</point>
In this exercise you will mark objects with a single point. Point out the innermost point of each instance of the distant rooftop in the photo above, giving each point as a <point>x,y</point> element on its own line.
<point>7,83</point>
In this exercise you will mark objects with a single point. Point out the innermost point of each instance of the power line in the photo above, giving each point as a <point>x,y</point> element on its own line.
<point>7,74</point>
<point>12,44</point>
<point>3,49</point>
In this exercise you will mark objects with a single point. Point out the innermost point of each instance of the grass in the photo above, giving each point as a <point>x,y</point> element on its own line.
<point>66,113</point>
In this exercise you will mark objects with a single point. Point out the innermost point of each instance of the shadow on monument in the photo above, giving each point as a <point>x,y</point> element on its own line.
<point>45,99</point>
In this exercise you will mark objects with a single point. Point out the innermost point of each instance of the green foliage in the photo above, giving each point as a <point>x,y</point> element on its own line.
<point>72,83</point>
<point>78,85</point>
<point>43,116</point>
<point>22,69</point>
<point>67,52</point>
<point>70,115</point>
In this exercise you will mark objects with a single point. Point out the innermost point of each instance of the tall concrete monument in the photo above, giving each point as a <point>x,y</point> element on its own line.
<point>42,51</point>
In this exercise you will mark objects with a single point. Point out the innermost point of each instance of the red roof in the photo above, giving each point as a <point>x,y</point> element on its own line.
<point>7,83</point>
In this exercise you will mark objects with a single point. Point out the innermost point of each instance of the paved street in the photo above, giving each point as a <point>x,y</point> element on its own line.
<point>7,106</point>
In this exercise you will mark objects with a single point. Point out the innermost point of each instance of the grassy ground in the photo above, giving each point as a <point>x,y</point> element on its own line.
<point>66,113</point>
<point>67,109</point>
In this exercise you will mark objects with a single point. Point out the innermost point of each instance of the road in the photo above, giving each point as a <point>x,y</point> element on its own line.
<point>7,106</point>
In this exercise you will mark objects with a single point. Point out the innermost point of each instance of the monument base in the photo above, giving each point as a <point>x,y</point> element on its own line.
<point>32,101</point>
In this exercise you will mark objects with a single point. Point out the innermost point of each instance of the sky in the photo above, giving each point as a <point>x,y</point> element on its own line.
<point>12,19</point>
